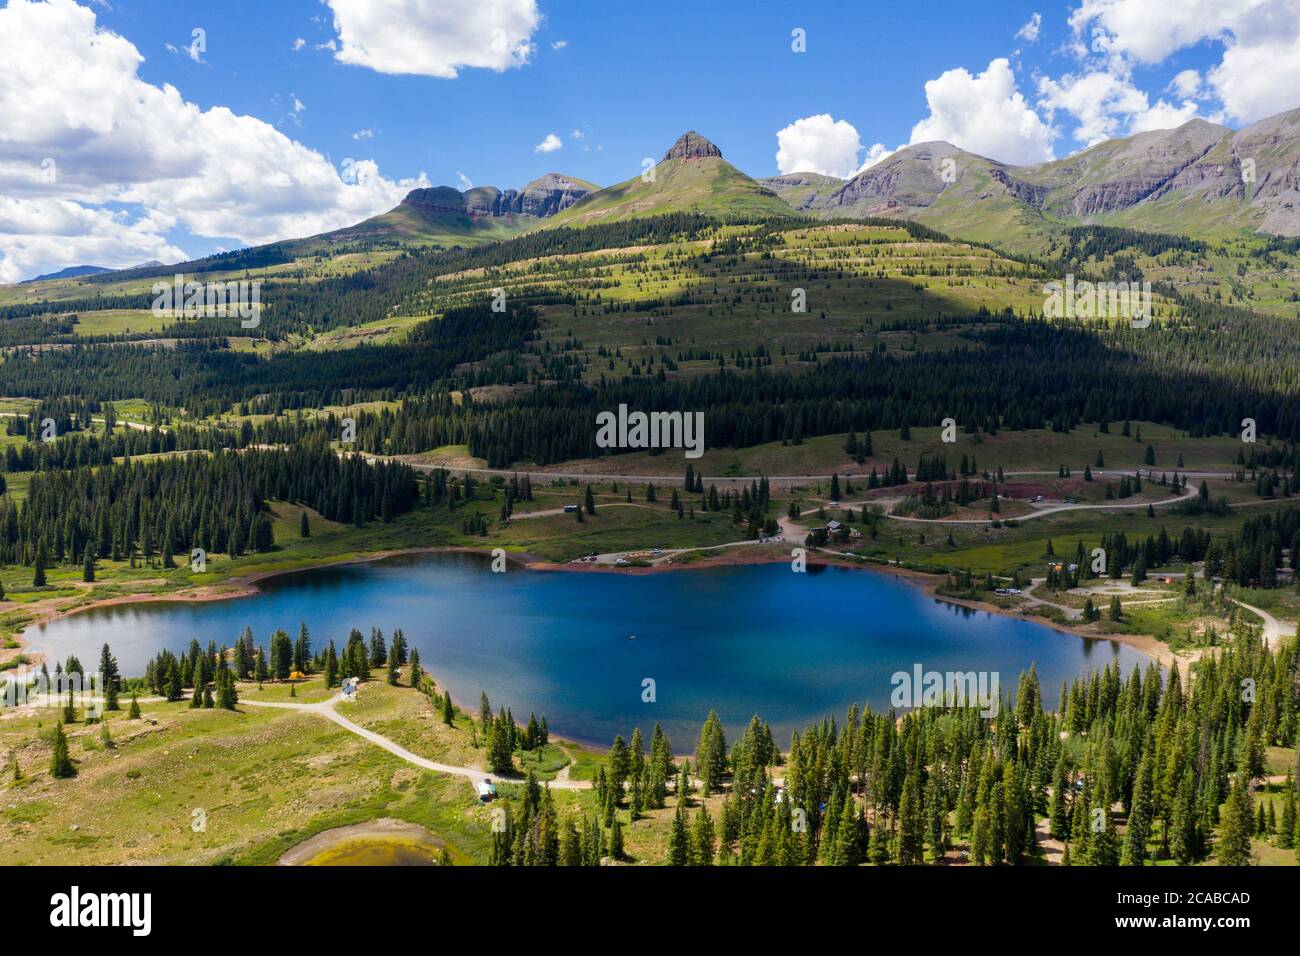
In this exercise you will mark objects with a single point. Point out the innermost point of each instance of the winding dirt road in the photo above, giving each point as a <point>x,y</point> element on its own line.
<point>474,774</point>
<point>1274,630</point>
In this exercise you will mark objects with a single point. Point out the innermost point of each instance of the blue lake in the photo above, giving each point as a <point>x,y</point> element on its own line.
<point>742,640</point>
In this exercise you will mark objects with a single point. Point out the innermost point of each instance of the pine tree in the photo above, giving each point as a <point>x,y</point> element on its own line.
<point>304,529</point>
<point>448,711</point>
<point>678,848</point>
<point>227,696</point>
<point>38,573</point>
<point>1058,818</point>
<point>1103,845</point>
<point>1184,837</point>
<point>1287,829</point>
<point>1232,848</point>
<point>703,842</point>
<point>1139,818</point>
<point>417,674</point>
<point>175,685</point>
<point>331,666</point>
<point>109,674</point>
<point>711,755</point>
<point>616,840</point>
<point>134,712</point>
<point>61,761</point>
<point>500,746</point>
<point>911,828</point>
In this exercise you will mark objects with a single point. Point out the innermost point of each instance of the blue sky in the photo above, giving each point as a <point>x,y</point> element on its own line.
<point>274,106</point>
<point>630,77</point>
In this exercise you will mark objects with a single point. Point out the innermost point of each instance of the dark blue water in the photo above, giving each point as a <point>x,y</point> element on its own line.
<point>743,640</point>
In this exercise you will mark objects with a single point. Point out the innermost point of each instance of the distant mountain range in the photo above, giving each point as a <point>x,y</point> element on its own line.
<point>691,176</point>
<point>1200,179</point>
<point>71,272</point>
<point>76,272</point>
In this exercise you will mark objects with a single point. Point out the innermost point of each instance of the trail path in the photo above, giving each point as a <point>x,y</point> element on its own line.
<point>1274,630</point>
<point>474,774</point>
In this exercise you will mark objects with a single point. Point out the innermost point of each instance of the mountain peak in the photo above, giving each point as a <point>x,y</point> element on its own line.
<point>691,145</point>
<point>435,197</point>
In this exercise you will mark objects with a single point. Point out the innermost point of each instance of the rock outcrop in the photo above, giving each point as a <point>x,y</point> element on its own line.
<point>692,145</point>
<point>544,196</point>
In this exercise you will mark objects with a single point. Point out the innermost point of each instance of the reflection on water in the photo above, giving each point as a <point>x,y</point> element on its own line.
<point>743,640</point>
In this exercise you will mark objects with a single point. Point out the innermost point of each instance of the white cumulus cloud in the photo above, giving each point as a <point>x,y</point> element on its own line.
<point>1259,72</point>
<point>40,235</point>
<point>93,133</point>
<point>549,145</point>
<point>985,113</point>
<point>1187,83</point>
<point>1105,105</point>
<point>434,38</point>
<point>818,144</point>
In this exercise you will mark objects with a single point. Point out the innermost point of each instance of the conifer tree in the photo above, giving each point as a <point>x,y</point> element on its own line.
<point>38,573</point>
<point>703,842</point>
<point>331,666</point>
<point>417,673</point>
<point>678,848</point>
<point>60,760</point>
<point>616,840</point>
<point>1232,848</point>
<point>499,745</point>
<point>711,755</point>
<point>110,676</point>
<point>227,696</point>
<point>1139,818</point>
<point>175,685</point>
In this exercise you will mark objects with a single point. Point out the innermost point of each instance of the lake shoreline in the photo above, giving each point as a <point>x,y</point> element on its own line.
<point>928,582</point>
<point>246,585</point>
